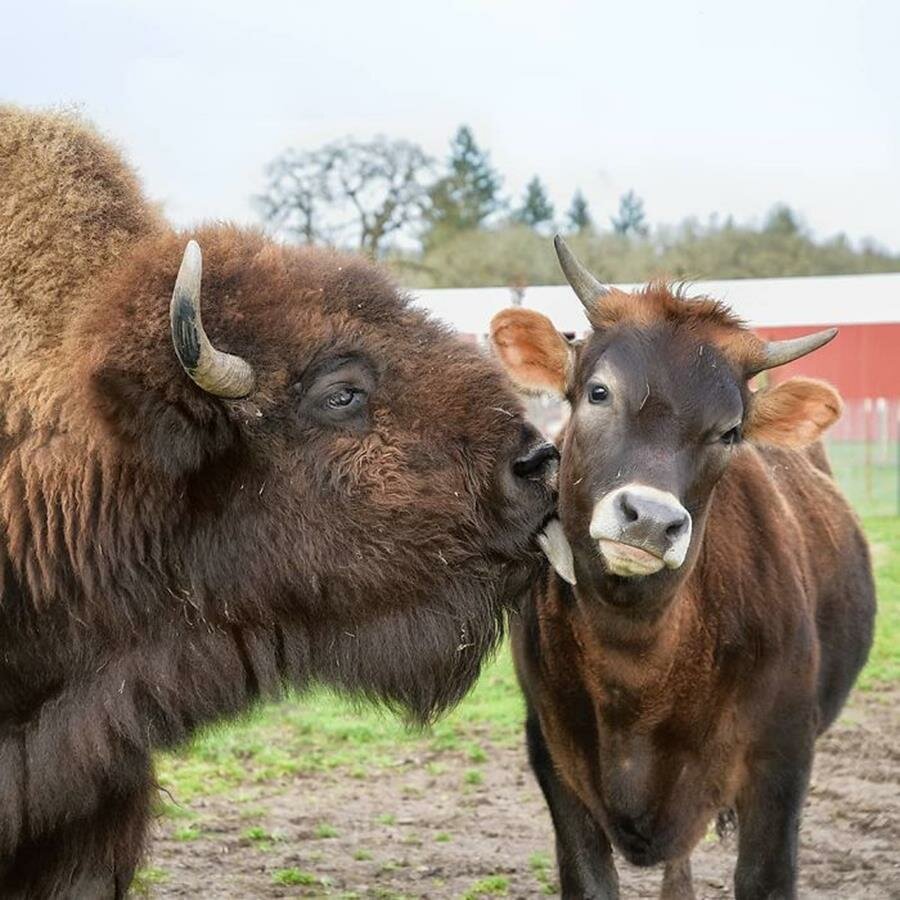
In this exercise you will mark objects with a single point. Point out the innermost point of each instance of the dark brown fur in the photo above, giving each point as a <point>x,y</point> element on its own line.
<point>655,703</point>
<point>167,557</point>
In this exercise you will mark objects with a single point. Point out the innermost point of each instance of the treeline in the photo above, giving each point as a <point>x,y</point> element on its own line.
<point>451,225</point>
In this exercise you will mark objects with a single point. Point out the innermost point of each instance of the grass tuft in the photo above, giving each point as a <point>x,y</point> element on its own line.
<point>492,886</point>
<point>146,878</point>
<point>295,877</point>
<point>324,830</point>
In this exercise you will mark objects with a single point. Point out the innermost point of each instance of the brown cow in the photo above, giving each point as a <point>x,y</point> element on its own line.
<point>349,494</point>
<point>722,603</point>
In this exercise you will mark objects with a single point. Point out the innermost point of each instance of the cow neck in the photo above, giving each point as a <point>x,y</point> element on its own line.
<point>638,652</point>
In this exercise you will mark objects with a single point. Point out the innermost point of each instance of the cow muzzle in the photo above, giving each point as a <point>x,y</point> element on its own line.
<point>641,530</point>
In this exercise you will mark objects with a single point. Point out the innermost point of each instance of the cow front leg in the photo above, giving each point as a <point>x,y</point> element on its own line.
<point>678,882</point>
<point>583,852</point>
<point>769,810</point>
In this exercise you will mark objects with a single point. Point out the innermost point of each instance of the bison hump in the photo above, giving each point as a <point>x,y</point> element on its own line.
<point>69,207</point>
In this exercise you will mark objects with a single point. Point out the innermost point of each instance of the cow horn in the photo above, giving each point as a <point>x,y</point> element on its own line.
<point>777,353</point>
<point>586,287</point>
<point>216,372</point>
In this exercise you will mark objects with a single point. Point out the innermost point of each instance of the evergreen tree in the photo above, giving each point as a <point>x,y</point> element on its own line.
<point>782,220</point>
<point>578,216</point>
<point>536,208</point>
<point>468,194</point>
<point>631,219</point>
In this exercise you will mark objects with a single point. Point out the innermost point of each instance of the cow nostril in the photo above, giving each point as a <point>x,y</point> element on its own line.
<point>539,460</point>
<point>628,511</point>
<point>676,528</point>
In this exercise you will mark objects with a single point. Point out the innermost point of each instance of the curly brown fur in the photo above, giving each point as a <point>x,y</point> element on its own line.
<point>69,208</point>
<point>168,557</point>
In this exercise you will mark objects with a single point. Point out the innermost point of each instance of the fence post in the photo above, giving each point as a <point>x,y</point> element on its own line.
<point>867,458</point>
<point>883,431</point>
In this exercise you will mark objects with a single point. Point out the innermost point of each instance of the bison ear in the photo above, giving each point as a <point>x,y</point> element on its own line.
<point>535,355</point>
<point>176,437</point>
<point>793,414</point>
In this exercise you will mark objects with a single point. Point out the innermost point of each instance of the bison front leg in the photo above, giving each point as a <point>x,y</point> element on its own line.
<point>583,852</point>
<point>93,858</point>
<point>769,810</point>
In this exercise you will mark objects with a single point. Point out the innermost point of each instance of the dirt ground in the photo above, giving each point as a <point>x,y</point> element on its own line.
<point>433,827</point>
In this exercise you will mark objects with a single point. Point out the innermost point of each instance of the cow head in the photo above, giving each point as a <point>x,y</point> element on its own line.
<point>313,452</point>
<point>660,404</point>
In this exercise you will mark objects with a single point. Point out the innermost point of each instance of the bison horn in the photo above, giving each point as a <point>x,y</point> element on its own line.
<point>216,372</point>
<point>587,288</point>
<point>777,353</point>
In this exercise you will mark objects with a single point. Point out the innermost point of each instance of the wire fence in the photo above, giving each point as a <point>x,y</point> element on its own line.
<point>863,448</point>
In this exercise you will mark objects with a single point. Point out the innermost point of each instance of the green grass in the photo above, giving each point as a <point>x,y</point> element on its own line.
<point>477,754</point>
<point>321,732</point>
<point>492,886</point>
<point>867,475</point>
<point>295,876</point>
<point>146,878</point>
<point>884,660</point>
<point>543,869</point>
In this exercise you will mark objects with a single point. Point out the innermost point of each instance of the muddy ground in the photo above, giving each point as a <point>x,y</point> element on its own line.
<point>437,826</point>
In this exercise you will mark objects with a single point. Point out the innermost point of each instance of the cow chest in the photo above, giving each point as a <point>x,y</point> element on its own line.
<point>646,744</point>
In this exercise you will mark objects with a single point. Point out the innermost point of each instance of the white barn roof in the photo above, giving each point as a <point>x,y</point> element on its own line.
<point>826,300</point>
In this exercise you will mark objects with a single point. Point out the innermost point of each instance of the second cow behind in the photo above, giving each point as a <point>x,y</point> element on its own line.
<point>723,599</point>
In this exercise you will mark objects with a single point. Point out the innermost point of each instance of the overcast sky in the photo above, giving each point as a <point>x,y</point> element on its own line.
<point>700,107</point>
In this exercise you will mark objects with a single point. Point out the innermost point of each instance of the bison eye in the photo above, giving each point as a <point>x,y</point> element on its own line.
<point>598,393</point>
<point>731,437</point>
<point>344,398</point>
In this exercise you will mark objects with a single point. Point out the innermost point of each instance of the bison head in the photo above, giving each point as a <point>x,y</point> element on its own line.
<point>315,459</point>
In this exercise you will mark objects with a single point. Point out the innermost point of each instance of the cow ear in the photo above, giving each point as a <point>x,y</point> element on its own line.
<point>792,414</point>
<point>174,436</point>
<point>535,355</point>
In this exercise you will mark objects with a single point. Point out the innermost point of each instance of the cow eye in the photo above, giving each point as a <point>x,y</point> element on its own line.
<point>731,437</point>
<point>598,393</point>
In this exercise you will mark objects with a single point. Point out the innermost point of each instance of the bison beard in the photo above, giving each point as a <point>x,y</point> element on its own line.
<point>76,776</point>
<point>172,553</point>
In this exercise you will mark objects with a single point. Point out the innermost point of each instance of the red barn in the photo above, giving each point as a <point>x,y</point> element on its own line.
<point>863,362</point>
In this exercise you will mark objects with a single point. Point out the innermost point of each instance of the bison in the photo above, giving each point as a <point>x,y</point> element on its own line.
<point>312,481</point>
<point>718,601</point>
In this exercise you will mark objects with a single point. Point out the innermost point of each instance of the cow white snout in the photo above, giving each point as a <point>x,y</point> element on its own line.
<point>640,529</point>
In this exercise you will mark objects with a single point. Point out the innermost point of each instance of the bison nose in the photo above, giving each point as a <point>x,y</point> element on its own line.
<point>539,461</point>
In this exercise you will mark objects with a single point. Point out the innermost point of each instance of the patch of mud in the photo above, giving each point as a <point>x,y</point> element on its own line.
<point>432,827</point>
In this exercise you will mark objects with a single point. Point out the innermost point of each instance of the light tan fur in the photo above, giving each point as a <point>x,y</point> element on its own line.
<point>536,356</point>
<point>793,414</point>
<point>69,208</point>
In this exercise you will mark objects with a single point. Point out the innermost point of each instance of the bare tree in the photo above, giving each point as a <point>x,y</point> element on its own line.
<point>349,192</point>
<point>294,195</point>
